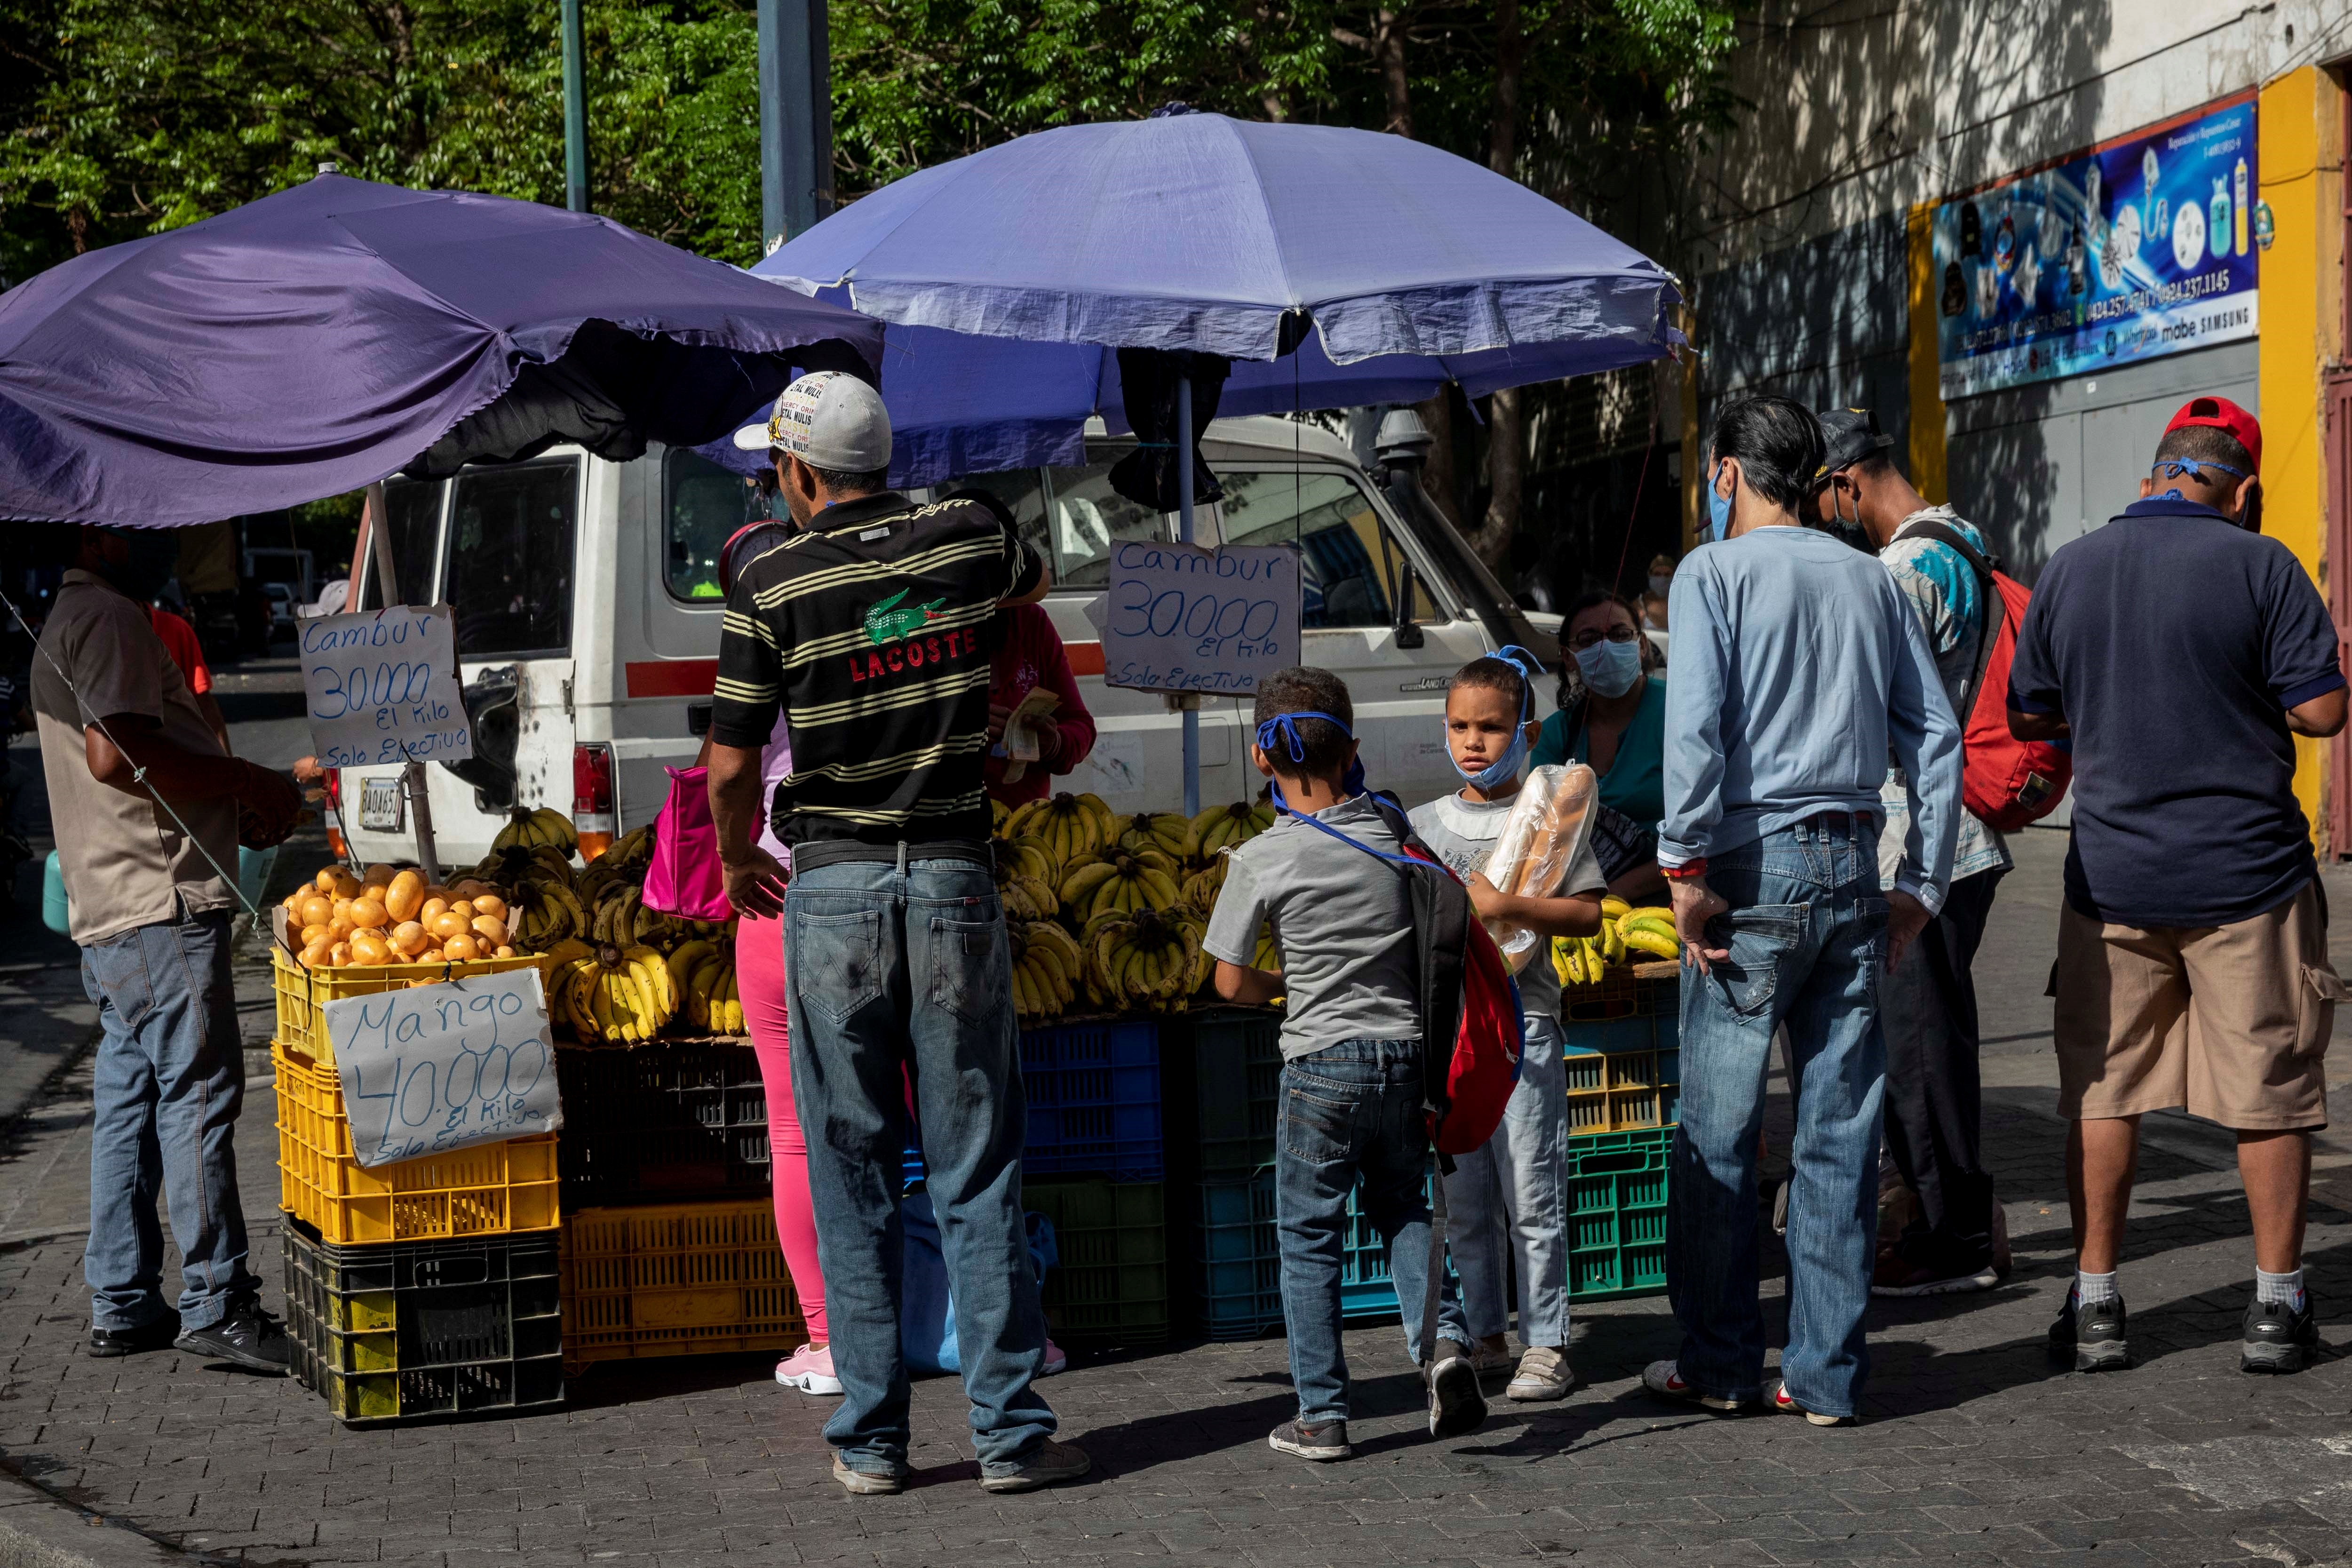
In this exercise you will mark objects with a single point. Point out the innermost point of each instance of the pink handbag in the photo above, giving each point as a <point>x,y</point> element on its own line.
<point>684,877</point>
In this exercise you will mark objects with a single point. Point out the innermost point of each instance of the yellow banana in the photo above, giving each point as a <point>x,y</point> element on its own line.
<point>1642,939</point>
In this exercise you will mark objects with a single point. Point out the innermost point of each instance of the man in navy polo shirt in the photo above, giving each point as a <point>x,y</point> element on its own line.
<point>2182,652</point>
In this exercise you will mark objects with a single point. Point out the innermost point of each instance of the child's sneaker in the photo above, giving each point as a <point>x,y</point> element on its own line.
<point>1058,1361</point>
<point>810,1370</point>
<point>1456,1404</point>
<point>1491,1355</point>
<point>1665,1379</point>
<point>1787,1406</point>
<point>1323,1442</point>
<point>1544,1374</point>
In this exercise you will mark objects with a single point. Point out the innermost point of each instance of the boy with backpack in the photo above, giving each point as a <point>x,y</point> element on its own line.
<point>1517,1182</point>
<point>1352,1090</point>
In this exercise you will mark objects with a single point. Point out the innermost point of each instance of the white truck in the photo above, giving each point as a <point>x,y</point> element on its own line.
<point>587,607</point>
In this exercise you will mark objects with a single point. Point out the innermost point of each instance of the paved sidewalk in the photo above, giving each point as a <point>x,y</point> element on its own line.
<point>1975,1449</point>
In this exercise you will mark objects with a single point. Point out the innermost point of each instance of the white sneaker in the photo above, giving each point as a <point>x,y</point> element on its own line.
<point>810,1370</point>
<point>1058,1361</point>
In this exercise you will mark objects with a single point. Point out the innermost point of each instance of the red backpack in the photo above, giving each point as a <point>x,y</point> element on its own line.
<point>2006,782</point>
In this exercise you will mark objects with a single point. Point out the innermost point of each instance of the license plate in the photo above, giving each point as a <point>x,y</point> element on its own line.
<point>380,804</point>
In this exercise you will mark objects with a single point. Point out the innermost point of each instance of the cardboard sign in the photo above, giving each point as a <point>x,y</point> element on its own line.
<point>383,687</point>
<point>1185,618</point>
<point>429,1068</point>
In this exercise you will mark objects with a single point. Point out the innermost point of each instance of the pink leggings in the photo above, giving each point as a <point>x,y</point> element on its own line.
<point>760,980</point>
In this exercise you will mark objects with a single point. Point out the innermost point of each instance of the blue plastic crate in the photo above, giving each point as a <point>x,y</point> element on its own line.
<point>1092,1091</point>
<point>1617,1214</point>
<point>1636,1032</point>
<point>1239,1286</point>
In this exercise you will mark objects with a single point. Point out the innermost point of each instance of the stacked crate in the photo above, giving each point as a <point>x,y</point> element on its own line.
<point>1622,1048</point>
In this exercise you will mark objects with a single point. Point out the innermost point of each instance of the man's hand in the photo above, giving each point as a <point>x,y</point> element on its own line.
<point>997,715</point>
<point>269,806</point>
<point>1907,917</point>
<point>755,884</point>
<point>1696,903</point>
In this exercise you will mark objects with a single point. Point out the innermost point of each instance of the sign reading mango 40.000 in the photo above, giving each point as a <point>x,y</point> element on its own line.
<point>1186,617</point>
<point>429,1068</point>
<point>383,688</point>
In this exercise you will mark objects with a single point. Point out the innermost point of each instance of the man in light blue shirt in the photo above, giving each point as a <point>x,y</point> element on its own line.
<point>1798,664</point>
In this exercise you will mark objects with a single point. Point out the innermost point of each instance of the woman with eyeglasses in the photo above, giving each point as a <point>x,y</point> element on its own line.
<point>1612,716</point>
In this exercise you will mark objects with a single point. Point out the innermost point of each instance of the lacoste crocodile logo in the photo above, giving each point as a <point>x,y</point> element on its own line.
<point>887,624</point>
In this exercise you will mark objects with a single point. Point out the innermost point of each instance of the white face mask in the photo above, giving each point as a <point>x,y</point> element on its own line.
<point>1610,669</point>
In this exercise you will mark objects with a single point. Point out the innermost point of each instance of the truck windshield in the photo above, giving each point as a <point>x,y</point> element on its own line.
<point>1348,562</point>
<point>510,546</point>
<point>702,506</point>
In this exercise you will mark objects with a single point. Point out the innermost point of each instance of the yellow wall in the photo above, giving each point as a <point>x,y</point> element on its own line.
<point>1928,467</point>
<point>2300,174</point>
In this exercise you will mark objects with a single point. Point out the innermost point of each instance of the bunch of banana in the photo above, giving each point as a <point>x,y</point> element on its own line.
<point>1068,827</point>
<point>1204,962</point>
<point>1200,890</point>
<point>1269,952</point>
<point>631,850</point>
<point>1127,881</point>
<point>621,918</point>
<point>998,815</point>
<point>619,994</point>
<point>546,912</point>
<point>542,829</point>
<point>1230,826</point>
<point>1169,832</point>
<point>598,874</point>
<point>702,973</point>
<point>507,865</point>
<point>1025,896</point>
<point>1650,930</point>
<point>1047,965</point>
<point>555,967</point>
<point>1142,959</point>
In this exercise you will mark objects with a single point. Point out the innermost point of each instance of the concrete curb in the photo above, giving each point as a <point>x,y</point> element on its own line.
<point>40,1529</point>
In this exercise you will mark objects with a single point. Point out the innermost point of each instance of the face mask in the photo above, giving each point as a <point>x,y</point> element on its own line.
<point>1660,586</point>
<point>1609,668</point>
<point>1719,507</point>
<point>1839,526</point>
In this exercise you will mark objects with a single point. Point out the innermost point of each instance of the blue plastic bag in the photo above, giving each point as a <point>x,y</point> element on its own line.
<point>927,1326</point>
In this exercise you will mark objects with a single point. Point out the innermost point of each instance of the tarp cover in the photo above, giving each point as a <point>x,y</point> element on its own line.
<point>328,336</point>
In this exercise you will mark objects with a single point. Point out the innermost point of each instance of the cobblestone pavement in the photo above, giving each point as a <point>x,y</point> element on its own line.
<point>1975,1450</point>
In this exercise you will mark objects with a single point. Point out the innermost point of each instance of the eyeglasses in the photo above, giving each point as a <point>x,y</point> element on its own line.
<point>1590,637</point>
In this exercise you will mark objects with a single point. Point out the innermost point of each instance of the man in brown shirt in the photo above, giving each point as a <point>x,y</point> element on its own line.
<point>122,739</point>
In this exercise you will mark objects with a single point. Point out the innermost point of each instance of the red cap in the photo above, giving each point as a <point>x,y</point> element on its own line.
<point>2222,415</point>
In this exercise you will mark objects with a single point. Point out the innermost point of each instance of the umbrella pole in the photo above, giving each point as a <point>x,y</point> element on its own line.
<point>1184,533</point>
<point>373,519</point>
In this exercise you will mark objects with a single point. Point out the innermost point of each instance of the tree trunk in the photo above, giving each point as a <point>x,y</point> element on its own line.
<point>1506,442</point>
<point>1388,49</point>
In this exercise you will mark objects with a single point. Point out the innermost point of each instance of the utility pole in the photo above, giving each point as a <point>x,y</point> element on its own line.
<point>796,120</point>
<point>575,110</point>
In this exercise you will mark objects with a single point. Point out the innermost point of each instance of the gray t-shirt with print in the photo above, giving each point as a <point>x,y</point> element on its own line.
<point>1342,920</point>
<point>1462,833</point>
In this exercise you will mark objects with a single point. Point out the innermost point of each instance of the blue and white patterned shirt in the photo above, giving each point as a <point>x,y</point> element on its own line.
<point>1942,589</point>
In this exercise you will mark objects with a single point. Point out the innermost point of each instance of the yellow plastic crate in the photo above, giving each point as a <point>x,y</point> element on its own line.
<point>1622,1091</point>
<point>303,993</point>
<point>486,1190</point>
<point>676,1280</point>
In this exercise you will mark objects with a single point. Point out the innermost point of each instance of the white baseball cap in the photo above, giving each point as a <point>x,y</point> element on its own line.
<point>828,420</point>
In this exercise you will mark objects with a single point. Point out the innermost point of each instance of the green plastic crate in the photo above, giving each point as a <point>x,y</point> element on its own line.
<point>1111,1287</point>
<point>1617,1214</point>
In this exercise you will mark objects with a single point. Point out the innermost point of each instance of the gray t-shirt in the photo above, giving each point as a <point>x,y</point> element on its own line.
<point>1342,920</point>
<point>1464,832</point>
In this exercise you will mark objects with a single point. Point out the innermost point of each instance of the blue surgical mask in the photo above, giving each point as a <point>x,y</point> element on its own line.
<point>1610,669</point>
<point>1719,507</point>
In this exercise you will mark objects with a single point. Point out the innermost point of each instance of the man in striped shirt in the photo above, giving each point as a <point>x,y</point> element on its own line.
<point>868,632</point>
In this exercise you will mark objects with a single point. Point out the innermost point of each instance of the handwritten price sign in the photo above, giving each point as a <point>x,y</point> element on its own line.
<point>383,688</point>
<point>434,1067</point>
<point>1184,617</point>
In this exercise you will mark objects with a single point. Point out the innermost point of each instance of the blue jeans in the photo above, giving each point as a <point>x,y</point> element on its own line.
<point>170,1081</point>
<point>893,971</point>
<point>1509,1200</point>
<point>1348,1112</point>
<point>1807,933</point>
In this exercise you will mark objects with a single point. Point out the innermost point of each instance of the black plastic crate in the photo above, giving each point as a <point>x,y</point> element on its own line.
<point>661,1123</point>
<point>1223,1090</point>
<point>401,1332</point>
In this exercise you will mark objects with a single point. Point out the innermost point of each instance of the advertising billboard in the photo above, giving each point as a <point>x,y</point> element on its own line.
<point>2145,246</point>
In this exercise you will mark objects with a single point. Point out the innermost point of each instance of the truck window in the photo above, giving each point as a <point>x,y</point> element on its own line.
<point>511,544</point>
<point>702,506</point>
<point>412,509</point>
<point>1083,518</point>
<point>1347,560</point>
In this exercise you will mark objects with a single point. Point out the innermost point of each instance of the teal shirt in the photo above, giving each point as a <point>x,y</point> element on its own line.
<point>1635,782</point>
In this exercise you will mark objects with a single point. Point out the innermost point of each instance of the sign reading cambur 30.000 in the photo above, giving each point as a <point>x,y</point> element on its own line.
<point>383,688</point>
<point>2147,246</point>
<point>1185,618</point>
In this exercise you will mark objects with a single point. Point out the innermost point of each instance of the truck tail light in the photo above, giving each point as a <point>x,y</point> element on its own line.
<point>330,788</point>
<point>592,814</point>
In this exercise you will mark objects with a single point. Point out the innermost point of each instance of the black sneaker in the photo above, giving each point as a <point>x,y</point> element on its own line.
<point>2094,1333</point>
<point>2278,1338</point>
<point>1455,1404</point>
<point>155,1336</point>
<point>1323,1442</point>
<point>247,1337</point>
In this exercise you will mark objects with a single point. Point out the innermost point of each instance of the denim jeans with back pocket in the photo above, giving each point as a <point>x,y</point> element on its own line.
<point>168,1084</point>
<point>895,974</point>
<point>1807,934</point>
<point>1350,1112</point>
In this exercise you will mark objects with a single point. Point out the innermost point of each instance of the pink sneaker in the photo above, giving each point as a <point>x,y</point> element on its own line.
<point>810,1370</point>
<point>1057,1360</point>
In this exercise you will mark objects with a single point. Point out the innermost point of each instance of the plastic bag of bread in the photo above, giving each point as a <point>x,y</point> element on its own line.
<point>1547,826</point>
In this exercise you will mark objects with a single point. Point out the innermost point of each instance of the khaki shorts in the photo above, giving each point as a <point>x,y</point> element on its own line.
<point>2230,1023</point>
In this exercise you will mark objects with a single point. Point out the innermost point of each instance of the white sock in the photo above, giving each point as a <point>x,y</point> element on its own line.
<point>2283,1288</point>
<point>2092,1288</point>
